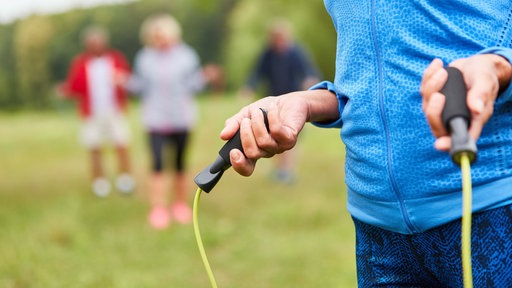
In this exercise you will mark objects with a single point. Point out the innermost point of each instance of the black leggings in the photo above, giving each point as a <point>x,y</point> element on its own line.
<point>177,139</point>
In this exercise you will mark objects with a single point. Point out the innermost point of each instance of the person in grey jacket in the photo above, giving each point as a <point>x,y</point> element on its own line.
<point>167,75</point>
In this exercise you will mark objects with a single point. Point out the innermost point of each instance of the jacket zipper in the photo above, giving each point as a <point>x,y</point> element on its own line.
<point>394,185</point>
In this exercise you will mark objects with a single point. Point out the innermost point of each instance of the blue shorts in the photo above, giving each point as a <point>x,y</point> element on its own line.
<point>433,258</point>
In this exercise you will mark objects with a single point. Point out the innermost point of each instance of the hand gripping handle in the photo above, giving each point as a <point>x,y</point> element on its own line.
<point>457,117</point>
<point>209,177</point>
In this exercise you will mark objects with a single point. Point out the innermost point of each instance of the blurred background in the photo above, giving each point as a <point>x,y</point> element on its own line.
<point>55,233</point>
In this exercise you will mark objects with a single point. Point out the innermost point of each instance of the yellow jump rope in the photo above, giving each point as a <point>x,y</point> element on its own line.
<point>456,118</point>
<point>199,240</point>
<point>467,271</point>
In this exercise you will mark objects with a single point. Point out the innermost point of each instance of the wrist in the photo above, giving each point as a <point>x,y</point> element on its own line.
<point>322,106</point>
<point>503,70</point>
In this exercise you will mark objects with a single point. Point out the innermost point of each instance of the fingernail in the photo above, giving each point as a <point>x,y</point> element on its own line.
<point>439,74</point>
<point>237,157</point>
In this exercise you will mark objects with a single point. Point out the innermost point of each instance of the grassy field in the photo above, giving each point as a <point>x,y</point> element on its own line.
<point>55,233</point>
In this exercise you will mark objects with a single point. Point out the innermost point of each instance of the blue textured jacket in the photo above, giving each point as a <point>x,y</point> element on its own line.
<point>395,178</point>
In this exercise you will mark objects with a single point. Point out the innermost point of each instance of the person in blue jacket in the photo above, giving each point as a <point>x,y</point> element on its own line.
<point>404,193</point>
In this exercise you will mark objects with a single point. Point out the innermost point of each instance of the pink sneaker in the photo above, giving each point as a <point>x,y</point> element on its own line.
<point>181,212</point>
<point>159,218</point>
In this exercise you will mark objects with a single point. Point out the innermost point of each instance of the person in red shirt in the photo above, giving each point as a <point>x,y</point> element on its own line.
<point>92,82</point>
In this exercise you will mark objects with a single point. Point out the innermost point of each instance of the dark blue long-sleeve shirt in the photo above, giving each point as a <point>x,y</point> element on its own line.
<point>284,72</point>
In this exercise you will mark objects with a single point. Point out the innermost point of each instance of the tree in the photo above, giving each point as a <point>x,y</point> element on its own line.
<point>31,42</point>
<point>7,66</point>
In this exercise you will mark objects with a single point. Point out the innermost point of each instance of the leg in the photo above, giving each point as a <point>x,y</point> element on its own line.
<point>285,164</point>
<point>492,248</point>
<point>120,136</point>
<point>180,187</point>
<point>100,185</point>
<point>96,167</point>
<point>159,216</point>
<point>124,182</point>
<point>387,259</point>
<point>157,195</point>
<point>432,258</point>
<point>123,158</point>
<point>439,250</point>
<point>119,133</point>
<point>92,138</point>
<point>180,179</point>
<point>180,208</point>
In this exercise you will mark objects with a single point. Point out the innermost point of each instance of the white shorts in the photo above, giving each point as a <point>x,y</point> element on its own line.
<point>98,130</point>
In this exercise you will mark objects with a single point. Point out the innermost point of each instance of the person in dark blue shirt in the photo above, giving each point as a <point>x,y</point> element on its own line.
<point>285,68</point>
<point>283,64</point>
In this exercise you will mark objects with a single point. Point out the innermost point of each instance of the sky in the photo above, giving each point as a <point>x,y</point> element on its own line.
<point>11,10</point>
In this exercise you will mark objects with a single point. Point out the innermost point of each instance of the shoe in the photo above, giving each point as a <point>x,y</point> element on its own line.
<point>284,176</point>
<point>101,187</point>
<point>159,218</point>
<point>125,183</point>
<point>181,212</point>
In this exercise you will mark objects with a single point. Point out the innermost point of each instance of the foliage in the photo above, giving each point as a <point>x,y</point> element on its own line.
<point>31,42</point>
<point>226,32</point>
<point>7,66</point>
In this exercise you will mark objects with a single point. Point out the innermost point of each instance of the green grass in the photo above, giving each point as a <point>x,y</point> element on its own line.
<point>54,233</point>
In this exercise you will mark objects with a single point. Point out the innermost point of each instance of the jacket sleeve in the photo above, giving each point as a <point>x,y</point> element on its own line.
<point>136,83</point>
<point>121,62</point>
<point>196,80</point>
<point>74,84</point>
<point>342,101</point>
<point>506,53</point>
